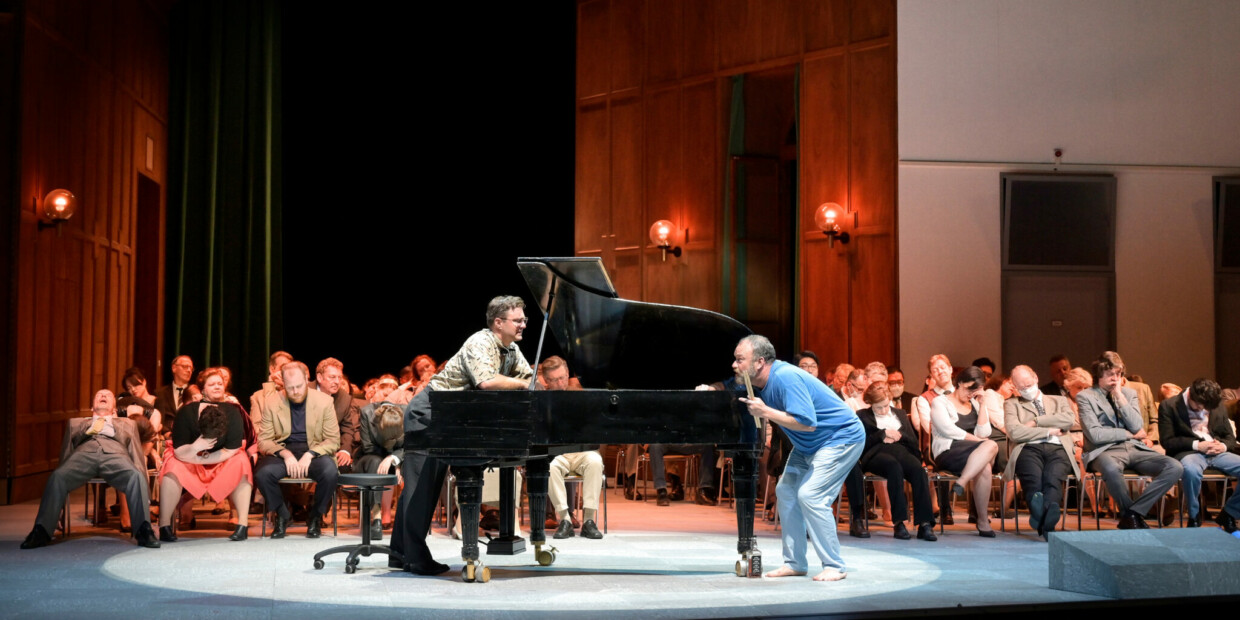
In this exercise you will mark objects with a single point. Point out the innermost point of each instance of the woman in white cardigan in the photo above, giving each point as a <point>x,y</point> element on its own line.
<point>960,441</point>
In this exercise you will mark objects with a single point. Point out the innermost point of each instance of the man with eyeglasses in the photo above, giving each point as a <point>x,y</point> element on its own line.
<point>489,360</point>
<point>170,397</point>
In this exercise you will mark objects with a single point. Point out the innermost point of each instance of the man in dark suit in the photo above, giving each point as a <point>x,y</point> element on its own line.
<point>103,446</point>
<point>1059,366</point>
<point>1115,440</point>
<point>329,379</point>
<point>169,398</point>
<point>1194,428</point>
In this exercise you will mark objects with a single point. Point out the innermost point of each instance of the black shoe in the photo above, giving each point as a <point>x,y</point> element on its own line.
<point>314,525</point>
<point>146,536</point>
<point>947,517</point>
<point>38,538</point>
<point>631,493</point>
<point>958,489</point>
<point>972,519</point>
<point>278,527</point>
<point>125,529</point>
<point>1226,521</point>
<point>706,497</point>
<point>167,534</point>
<point>1192,522</point>
<point>1132,521</point>
<point>590,530</point>
<point>430,567</point>
<point>1168,515</point>
<point>241,533</point>
<point>565,530</point>
<point>925,531</point>
<point>986,533</point>
<point>1050,520</point>
<point>857,530</point>
<point>770,515</point>
<point>1036,512</point>
<point>376,529</point>
<point>677,494</point>
<point>901,532</point>
<point>395,562</point>
<point>663,499</point>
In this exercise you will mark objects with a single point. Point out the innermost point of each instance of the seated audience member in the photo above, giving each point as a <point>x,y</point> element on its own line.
<point>1148,407</point>
<point>999,389</point>
<point>938,383</point>
<point>1043,453</point>
<point>1115,440</point>
<point>415,381</point>
<point>330,380</point>
<point>1196,430</point>
<point>807,361</point>
<point>960,442</point>
<point>708,471</point>
<point>383,432</point>
<point>588,465</point>
<point>1169,390</point>
<point>986,365</point>
<point>839,377</point>
<point>1076,381</point>
<point>274,382</point>
<point>854,389</point>
<point>140,412</point>
<point>207,457</point>
<point>170,398</point>
<point>891,451</point>
<point>298,438</point>
<point>102,446</point>
<point>899,396</point>
<point>1059,366</point>
<point>135,385</point>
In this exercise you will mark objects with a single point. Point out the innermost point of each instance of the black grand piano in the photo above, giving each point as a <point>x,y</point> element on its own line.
<point>638,363</point>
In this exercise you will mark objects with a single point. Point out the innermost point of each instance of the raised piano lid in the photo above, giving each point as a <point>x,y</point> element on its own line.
<point>615,343</point>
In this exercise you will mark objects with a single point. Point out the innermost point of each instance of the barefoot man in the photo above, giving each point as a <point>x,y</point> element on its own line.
<point>827,439</point>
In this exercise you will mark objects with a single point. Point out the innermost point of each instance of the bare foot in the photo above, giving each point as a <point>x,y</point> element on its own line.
<point>830,575</point>
<point>784,571</point>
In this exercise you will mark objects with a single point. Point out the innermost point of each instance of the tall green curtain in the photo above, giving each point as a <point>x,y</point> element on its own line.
<point>223,289</point>
<point>736,147</point>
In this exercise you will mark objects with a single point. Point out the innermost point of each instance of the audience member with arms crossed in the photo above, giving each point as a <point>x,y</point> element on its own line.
<point>588,465</point>
<point>1195,429</point>
<point>1039,426</point>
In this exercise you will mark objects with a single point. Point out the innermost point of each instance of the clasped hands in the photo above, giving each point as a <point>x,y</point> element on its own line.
<point>298,468</point>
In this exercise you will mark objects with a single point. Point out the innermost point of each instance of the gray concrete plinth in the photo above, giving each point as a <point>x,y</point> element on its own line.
<point>1151,563</point>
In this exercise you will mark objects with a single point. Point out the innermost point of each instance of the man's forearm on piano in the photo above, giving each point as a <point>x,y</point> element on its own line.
<point>501,382</point>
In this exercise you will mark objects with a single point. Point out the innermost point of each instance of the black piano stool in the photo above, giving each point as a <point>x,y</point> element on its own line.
<point>368,485</point>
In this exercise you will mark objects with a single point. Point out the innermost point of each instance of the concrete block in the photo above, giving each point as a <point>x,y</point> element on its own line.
<point>1152,563</point>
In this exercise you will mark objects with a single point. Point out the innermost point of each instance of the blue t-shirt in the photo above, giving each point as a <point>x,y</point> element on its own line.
<point>810,402</point>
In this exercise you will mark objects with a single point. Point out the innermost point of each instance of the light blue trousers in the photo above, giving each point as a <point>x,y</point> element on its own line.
<point>806,492</point>
<point>1195,466</point>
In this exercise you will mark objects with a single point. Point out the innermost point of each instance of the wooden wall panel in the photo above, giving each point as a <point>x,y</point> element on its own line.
<point>700,30</point>
<point>74,315</point>
<point>665,40</point>
<point>592,48</point>
<point>737,22</point>
<point>664,192</point>
<point>627,36</point>
<point>824,137</point>
<point>826,24</point>
<point>872,19</point>
<point>702,199</point>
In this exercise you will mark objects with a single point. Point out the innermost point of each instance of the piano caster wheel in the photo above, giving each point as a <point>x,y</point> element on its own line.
<point>475,572</point>
<point>318,565</point>
<point>350,567</point>
<point>546,558</point>
<point>742,568</point>
<point>749,565</point>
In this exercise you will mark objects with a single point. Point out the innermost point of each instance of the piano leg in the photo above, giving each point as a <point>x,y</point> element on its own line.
<point>469,491</point>
<point>745,481</point>
<point>536,474</point>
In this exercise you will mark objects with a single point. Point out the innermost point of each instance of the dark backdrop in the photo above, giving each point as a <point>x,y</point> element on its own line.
<point>424,151</point>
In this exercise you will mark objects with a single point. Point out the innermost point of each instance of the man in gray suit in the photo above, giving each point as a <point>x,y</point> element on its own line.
<point>102,446</point>
<point>1115,440</point>
<point>1042,458</point>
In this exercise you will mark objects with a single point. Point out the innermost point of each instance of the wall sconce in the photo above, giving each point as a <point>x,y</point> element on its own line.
<point>828,217</point>
<point>58,206</point>
<point>661,233</point>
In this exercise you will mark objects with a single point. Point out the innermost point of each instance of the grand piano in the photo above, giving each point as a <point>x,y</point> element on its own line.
<point>638,363</point>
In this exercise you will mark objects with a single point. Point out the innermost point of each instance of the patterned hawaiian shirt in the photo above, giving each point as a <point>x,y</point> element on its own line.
<point>481,359</point>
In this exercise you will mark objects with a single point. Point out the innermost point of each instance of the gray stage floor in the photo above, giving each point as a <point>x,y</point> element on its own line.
<point>671,562</point>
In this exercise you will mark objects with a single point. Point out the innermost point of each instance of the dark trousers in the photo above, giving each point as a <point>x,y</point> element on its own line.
<point>708,475</point>
<point>854,485</point>
<point>423,476</point>
<point>1165,471</point>
<point>270,469</point>
<point>1043,468</point>
<point>897,465</point>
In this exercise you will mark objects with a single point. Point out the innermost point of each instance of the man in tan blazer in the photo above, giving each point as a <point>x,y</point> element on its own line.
<point>298,438</point>
<point>1042,456</point>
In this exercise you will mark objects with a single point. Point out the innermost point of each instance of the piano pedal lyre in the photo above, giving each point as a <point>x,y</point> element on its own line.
<point>545,558</point>
<point>750,564</point>
<point>475,571</point>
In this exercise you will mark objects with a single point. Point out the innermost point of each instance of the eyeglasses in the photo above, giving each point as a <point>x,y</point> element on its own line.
<point>519,321</point>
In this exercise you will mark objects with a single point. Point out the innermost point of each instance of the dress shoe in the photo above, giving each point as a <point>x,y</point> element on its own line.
<point>986,533</point>
<point>395,562</point>
<point>573,519</point>
<point>631,493</point>
<point>125,529</point>
<point>947,517</point>
<point>146,536</point>
<point>38,538</point>
<point>166,534</point>
<point>428,568</point>
<point>1010,513</point>
<point>769,515</point>
<point>241,533</point>
<point>590,530</point>
<point>314,525</point>
<point>1192,522</point>
<point>677,494</point>
<point>972,519</point>
<point>278,527</point>
<point>550,523</point>
<point>901,532</point>
<point>376,529</point>
<point>925,531</point>
<point>565,530</point>
<point>1168,515</point>
<point>858,530</point>
<point>1050,520</point>
<point>1036,512</point>
<point>1226,521</point>
<point>663,500</point>
<point>957,489</point>
<point>1132,521</point>
<point>706,497</point>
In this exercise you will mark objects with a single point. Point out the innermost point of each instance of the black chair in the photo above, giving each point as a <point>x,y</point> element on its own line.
<point>368,485</point>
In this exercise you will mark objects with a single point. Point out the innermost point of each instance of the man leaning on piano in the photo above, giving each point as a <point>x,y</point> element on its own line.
<point>489,360</point>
